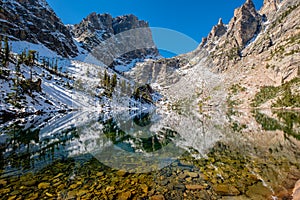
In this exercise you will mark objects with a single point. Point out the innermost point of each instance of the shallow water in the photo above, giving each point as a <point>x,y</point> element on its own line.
<point>160,155</point>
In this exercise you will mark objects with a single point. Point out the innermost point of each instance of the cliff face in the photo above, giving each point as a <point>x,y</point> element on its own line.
<point>95,28</point>
<point>270,34</point>
<point>34,21</point>
<point>102,34</point>
<point>226,46</point>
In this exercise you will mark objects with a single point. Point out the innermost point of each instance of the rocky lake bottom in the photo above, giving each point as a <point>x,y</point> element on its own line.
<point>241,164</point>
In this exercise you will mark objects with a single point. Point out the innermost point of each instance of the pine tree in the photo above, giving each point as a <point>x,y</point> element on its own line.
<point>17,69</point>
<point>31,62</point>
<point>43,62</point>
<point>104,83</point>
<point>123,86</point>
<point>114,81</point>
<point>108,81</point>
<point>23,56</point>
<point>55,66</point>
<point>37,56</point>
<point>128,89</point>
<point>0,46</point>
<point>14,96</point>
<point>6,52</point>
<point>1,56</point>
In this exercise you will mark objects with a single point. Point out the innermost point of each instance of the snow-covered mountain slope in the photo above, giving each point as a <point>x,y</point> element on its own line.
<point>35,79</point>
<point>33,29</point>
<point>55,93</point>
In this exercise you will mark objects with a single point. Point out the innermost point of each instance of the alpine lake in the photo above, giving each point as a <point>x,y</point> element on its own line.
<point>232,154</point>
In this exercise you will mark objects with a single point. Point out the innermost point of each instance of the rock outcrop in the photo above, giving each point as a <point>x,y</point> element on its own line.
<point>34,21</point>
<point>269,8</point>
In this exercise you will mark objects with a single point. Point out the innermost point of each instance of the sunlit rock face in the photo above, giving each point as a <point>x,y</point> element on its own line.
<point>269,7</point>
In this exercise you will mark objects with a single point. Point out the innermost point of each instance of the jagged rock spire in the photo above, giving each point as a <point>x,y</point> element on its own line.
<point>249,6</point>
<point>249,3</point>
<point>245,23</point>
<point>220,22</point>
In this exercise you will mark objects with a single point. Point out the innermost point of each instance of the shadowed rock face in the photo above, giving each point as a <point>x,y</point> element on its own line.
<point>92,31</point>
<point>34,21</point>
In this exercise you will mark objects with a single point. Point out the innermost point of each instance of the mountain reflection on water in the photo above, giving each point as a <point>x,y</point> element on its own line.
<point>249,154</point>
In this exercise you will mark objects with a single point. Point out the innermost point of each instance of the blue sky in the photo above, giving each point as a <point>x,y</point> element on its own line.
<point>193,18</point>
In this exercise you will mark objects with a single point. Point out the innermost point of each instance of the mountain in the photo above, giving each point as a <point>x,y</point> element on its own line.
<point>262,46</point>
<point>35,22</point>
<point>43,66</point>
<point>256,49</point>
<point>105,36</point>
<point>252,62</point>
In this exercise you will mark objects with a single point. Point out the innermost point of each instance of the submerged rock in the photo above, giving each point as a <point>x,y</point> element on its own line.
<point>226,190</point>
<point>44,185</point>
<point>296,191</point>
<point>121,173</point>
<point>3,183</point>
<point>124,195</point>
<point>193,174</point>
<point>259,191</point>
<point>157,197</point>
<point>195,187</point>
<point>30,183</point>
<point>144,188</point>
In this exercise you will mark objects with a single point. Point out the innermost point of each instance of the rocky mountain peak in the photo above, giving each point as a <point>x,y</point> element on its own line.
<point>93,30</point>
<point>216,32</point>
<point>93,25</point>
<point>127,22</point>
<point>245,24</point>
<point>226,42</point>
<point>102,26</point>
<point>220,22</point>
<point>249,4</point>
<point>247,7</point>
<point>34,21</point>
<point>99,21</point>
